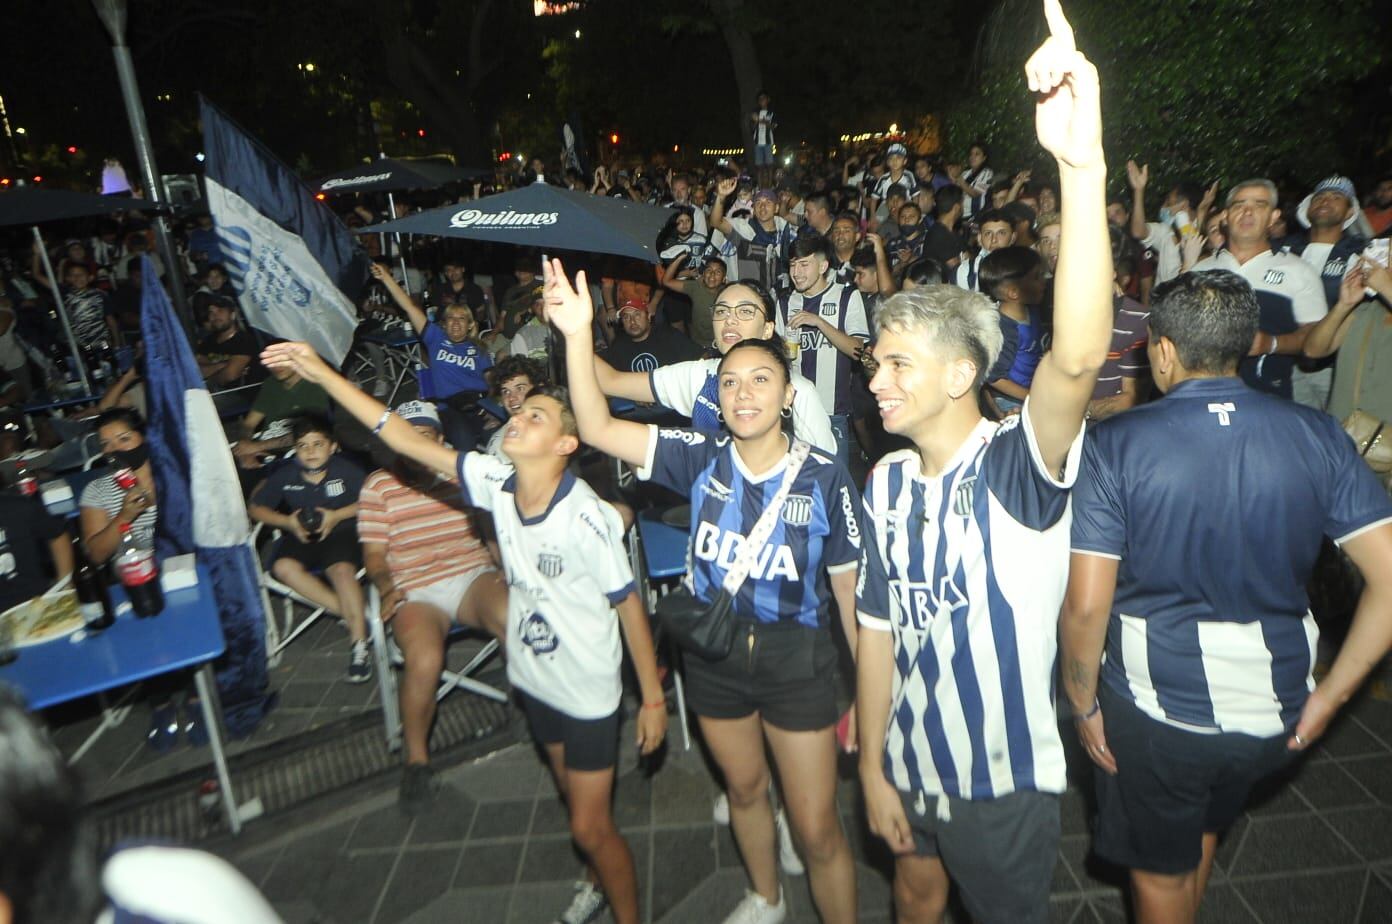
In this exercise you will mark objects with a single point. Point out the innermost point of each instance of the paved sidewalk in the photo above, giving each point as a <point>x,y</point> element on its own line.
<point>494,847</point>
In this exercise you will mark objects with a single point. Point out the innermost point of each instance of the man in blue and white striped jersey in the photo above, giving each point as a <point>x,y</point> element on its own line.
<point>966,555</point>
<point>1196,523</point>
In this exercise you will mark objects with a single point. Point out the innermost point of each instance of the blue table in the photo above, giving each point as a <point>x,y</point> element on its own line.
<point>186,634</point>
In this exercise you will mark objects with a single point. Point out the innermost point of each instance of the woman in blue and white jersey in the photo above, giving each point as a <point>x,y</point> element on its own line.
<point>777,686</point>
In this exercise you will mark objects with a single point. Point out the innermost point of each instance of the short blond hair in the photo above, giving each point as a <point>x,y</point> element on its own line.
<point>957,324</point>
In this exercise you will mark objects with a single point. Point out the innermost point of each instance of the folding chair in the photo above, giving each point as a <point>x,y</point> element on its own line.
<point>657,553</point>
<point>400,355</point>
<point>388,657</point>
<point>279,637</point>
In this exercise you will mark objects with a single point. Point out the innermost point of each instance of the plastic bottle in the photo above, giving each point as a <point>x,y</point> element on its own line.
<point>138,572</point>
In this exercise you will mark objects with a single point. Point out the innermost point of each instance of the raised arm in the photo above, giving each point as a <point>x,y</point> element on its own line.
<point>1138,177</point>
<point>671,274</point>
<point>1326,336</point>
<point>367,410</point>
<point>570,309</point>
<point>403,301</point>
<point>1068,119</point>
<point>723,188</point>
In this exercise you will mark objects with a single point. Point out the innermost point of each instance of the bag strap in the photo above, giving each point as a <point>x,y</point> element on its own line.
<point>758,536</point>
<point>1358,369</point>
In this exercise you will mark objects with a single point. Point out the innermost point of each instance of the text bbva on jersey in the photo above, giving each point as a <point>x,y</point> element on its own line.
<point>714,545</point>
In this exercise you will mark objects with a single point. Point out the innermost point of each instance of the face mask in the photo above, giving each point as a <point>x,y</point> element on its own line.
<point>131,458</point>
<point>1165,215</point>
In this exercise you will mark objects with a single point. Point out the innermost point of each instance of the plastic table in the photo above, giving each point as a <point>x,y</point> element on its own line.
<point>186,634</point>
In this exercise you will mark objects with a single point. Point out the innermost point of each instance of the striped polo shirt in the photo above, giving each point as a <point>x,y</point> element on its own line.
<point>429,534</point>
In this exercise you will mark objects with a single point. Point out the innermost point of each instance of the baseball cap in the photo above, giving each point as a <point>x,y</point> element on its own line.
<point>223,301</point>
<point>897,149</point>
<point>1339,184</point>
<point>637,303</point>
<point>765,194</point>
<point>419,413</point>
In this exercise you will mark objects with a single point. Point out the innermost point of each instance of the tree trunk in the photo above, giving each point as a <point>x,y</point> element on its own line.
<point>450,113</point>
<point>749,77</point>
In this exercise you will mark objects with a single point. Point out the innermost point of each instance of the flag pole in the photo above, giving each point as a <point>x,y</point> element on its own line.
<point>112,13</point>
<point>63,313</point>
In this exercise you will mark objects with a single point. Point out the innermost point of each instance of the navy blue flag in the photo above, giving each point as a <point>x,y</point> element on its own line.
<point>200,503</point>
<point>294,265</point>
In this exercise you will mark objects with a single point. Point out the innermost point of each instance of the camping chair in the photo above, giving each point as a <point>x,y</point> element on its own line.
<point>388,657</point>
<point>279,636</point>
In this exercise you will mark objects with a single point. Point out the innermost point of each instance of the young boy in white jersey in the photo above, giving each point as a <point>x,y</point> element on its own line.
<point>966,542</point>
<point>566,568</point>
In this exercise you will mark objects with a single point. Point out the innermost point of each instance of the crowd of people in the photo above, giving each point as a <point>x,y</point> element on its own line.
<point>964,435</point>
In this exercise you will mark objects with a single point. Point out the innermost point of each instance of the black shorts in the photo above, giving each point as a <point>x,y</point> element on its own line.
<point>1000,852</point>
<point>341,545</point>
<point>589,744</point>
<point>784,672</point>
<point>1172,787</point>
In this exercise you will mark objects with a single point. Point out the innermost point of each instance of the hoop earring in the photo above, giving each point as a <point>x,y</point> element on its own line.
<point>787,412</point>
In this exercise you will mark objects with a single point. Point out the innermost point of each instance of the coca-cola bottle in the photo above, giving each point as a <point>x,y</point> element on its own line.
<point>138,573</point>
<point>92,595</point>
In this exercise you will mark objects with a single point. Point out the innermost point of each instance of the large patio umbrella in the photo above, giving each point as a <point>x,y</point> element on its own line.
<point>545,217</point>
<point>389,175</point>
<point>30,205</point>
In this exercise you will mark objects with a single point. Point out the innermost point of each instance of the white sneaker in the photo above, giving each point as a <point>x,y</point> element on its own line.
<point>788,859</point>
<point>755,909</point>
<point>720,811</point>
<point>587,904</point>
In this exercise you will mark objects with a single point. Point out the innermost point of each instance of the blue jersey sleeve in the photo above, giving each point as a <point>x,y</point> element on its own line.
<point>1356,499</point>
<point>675,456</point>
<point>843,542</point>
<point>1010,345</point>
<point>1099,521</point>
<point>1016,476</point>
<point>432,337</point>
<point>872,583</point>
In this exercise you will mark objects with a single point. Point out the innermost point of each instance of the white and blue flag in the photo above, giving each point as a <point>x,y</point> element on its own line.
<point>294,265</point>
<point>200,504</point>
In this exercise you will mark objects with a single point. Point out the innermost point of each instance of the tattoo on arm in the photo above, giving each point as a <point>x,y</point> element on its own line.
<point>1081,678</point>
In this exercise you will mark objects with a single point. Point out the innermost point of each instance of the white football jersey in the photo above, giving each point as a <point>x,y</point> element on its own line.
<point>566,570</point>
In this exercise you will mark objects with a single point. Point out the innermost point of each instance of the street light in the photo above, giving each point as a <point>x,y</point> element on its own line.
<point>112,13</point>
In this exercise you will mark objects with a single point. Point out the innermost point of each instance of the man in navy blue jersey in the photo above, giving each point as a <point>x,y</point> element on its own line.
<point>1196,523</point>
<point>965,555</point>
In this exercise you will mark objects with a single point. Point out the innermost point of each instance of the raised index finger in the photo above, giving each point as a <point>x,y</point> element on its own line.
<point>1058,23</point>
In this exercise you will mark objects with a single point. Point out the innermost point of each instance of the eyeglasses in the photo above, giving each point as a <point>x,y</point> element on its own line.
<point>744,311</point>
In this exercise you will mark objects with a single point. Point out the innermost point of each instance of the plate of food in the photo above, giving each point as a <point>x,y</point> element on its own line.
<point>44,618</point>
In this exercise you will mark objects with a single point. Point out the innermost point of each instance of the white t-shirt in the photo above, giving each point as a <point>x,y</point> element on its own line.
<point>566,571</point>
<point>1161,239</point>
<point>690,389</point>
<point>1316,255</point>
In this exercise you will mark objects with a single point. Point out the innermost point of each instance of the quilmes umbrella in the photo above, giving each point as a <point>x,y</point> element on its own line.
<point>548,218</point>
<point>32,206</point>
<point>388,175</point>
